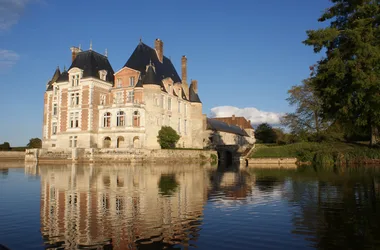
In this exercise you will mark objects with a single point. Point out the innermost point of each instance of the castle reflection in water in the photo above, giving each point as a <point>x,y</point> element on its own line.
<point>129,207</point>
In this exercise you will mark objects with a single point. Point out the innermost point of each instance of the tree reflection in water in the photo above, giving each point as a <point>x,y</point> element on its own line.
<point>332,209</point>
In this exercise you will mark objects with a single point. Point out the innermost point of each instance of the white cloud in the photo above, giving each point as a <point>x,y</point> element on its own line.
<point>10,12</point>
<point>256,116</point>
<point>8,58</point>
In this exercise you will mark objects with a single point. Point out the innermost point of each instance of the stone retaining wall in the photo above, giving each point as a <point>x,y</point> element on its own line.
<point>11,155</point>
<point>119,155</point>
<point>253,161</point>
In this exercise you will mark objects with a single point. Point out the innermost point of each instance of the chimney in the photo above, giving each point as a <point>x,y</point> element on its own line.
<point>233,117</point>
<point>194,85</point>
<point>74,52</point>
<point>184,69</point>
<point>159,46</point>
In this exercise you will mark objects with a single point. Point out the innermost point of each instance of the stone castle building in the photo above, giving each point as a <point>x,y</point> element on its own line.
<point>91,106</point>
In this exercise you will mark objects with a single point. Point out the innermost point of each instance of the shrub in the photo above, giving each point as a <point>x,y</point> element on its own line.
<point>214,159</point>
<point>167,137</point>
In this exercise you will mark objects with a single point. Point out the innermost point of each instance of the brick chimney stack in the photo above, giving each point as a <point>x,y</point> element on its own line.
<point>159,46</point>
<point>194,84</point>
<point>74,52</point>
<point>184,69</point>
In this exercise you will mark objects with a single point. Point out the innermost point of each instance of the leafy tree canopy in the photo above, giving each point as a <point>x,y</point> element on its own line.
<point>264,133</point>
<point>34,143</point>
<point>167,137</point>
<point>347,78</point>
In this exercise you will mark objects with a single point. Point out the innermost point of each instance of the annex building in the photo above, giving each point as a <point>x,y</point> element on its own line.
<point>89,105</point>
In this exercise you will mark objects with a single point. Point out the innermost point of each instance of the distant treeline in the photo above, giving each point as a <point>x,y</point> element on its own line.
<point>33,143</point>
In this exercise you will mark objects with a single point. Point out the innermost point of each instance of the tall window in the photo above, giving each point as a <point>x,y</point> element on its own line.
<point>54,128</point>
<point>55,90</point>
<point>132,81</point>
<point>73,141</point>
<point>162,101</point>
<point>130,96</point>
<point>119,97</point>
<point>179,125</point>
<point>179,107</point>
<point>185,108</point>
<point>55,109</point>
<point>119,82</point>
<point>75,80</point>
<point>120,119</point>
<point>136,119</point>
<point>185,127</point>
<point>102,99</point>
<point>107,120</point>
<point>169,103</point>
<point>74,99</point>
<point>74,120</point>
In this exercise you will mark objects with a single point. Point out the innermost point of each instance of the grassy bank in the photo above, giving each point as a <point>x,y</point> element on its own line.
<point>321,153</point>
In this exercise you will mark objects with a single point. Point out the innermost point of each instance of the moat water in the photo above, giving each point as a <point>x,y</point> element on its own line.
<point>188,207</point>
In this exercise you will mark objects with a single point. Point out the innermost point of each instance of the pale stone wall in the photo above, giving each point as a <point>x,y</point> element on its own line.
<point>12,155</point>
<point>269,161</point>
<point>119,155</point>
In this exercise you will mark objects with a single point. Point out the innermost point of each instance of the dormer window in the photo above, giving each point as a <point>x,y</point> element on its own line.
<point>131,81</point>
<point>75,80</point>
<point>170,88</point>
<point>102,74</point>
<point>119,82</point>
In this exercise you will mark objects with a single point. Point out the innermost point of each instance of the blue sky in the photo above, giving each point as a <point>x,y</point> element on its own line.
<point>245,54</point>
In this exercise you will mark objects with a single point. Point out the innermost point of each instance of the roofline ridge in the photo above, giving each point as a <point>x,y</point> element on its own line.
<point>89,50</point>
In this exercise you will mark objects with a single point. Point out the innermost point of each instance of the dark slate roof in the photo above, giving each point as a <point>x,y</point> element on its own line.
<point>143,55</point>
<point>151,77</point>
<point>64,77</point>
<point>91,62</point>
<point>55,77</point>
<point>213,124</point>
<point>193,96</point>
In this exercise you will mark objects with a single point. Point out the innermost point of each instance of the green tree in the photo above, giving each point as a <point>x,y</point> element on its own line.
<point>167,137</point>
<point>5,146</point>
<point>264,133</point>
<point>34,143</point>
<point>307,116</point>
<point>347,77</point>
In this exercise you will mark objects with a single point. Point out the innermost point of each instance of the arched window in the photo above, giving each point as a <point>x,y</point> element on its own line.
<point>136,119</point>
<point>107,142</point>
<point>107,120</point>
<point>120,119</point>
<point>120,142</point>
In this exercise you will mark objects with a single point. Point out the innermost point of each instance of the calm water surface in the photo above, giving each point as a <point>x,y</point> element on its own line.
<point>188,207</point>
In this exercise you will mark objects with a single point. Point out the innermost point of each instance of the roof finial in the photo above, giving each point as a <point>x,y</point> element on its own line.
<point>64,67</point>
<point>140,39</point>
<point>79,47</point>
<point>106,53</point>
<point>90,44</point>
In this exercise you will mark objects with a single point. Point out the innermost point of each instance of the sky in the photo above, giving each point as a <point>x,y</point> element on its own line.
<point>245,54</point>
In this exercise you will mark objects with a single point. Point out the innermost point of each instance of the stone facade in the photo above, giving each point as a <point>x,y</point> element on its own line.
<point>90,106</point>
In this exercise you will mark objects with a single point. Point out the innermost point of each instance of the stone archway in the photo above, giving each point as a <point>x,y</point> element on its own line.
<point>107,142</point>
<point>136,142</point>
<point>120,142</point>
